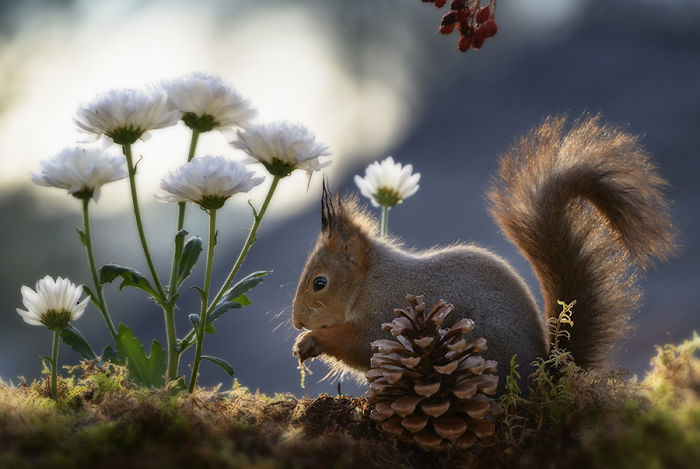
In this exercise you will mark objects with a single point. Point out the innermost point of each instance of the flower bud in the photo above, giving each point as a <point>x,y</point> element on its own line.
<point>483,15</point>
<point>440,3</point>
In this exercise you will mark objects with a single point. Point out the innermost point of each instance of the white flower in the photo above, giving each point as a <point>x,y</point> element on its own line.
<point>54,303</point>
<point>83,171</point>
<point>208,102</point>
<point>388,183</point>
<point>126,115</point>
<point>207,181</point>
<point>282,147</point>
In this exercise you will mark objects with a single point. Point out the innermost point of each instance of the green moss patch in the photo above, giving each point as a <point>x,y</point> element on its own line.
<point>569,418</point>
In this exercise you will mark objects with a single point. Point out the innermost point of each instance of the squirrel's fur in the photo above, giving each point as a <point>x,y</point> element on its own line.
<point>585,208</point>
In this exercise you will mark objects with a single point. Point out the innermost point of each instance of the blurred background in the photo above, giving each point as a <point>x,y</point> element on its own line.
<point>371,79</point>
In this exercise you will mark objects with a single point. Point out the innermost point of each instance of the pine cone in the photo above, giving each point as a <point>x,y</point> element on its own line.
<point>430,385</point>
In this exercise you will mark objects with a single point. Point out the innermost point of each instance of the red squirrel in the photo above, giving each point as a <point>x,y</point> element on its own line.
<point>583,205</point>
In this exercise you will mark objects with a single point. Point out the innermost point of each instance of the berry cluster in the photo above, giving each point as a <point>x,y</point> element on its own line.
<point>474,22</point>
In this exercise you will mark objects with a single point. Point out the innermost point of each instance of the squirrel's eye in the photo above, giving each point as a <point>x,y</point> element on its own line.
<point>319,283</point>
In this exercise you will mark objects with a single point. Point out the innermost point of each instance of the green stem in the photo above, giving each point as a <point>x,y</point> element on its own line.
<point>54,362</point>
<point>205,299</point>
<point>179,241</point>
<point>385,221</point>
<point>241,256</point>
<point>137,214</point>
<point>170,328</point>
<point>100,303</point>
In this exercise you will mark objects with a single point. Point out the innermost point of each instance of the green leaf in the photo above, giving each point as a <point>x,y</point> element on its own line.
<point>75,340</point>
<point>83,238</point>
<point>195,320</point>
<point>242,300</point>
<point>226,366</point>
<point>235,297</point>
<point>210,329</point>
<point>92,296</point>
<point>109,354</point>
<point>190,255</point>
<point>248,283</point>
<point>143,370</point>
<point>130,278</point>
<point>202,296</point>
<point>46,358</point>
<point>220,309</point>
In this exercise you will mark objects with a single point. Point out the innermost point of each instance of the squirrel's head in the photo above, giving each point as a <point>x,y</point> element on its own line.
<point>336,269</point>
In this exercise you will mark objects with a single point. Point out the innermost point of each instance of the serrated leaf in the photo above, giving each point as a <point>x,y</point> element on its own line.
<point>188,259</point>
<point>83,237</point>
<point>75,340</point>
<point>130,278</point>
<point>226,366</point>
<point>109,354</point>
<point>143,370</point>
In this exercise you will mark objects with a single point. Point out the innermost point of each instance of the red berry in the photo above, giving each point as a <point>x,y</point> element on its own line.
<point>483,15</point>
<point>447,28</point>
<point>457,4</point>
<point>464,43</point>
<point>465,29</point>
<point>460,15</point>
<point>440,3</point>
<point>477,42</point>
<point>490,28</point>
<point>449,18</point>
<point>480,33</point>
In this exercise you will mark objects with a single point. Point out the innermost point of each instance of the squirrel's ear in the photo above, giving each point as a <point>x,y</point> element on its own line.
<point>342,231</point>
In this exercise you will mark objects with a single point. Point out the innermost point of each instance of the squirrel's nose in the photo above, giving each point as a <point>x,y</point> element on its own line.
<point>296,320</point>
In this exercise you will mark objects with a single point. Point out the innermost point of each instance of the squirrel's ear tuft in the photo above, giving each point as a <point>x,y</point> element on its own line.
<point>342,217</point>
<point>327,208</point>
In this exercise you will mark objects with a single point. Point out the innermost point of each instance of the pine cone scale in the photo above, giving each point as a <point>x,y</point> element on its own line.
<point>430,385</point>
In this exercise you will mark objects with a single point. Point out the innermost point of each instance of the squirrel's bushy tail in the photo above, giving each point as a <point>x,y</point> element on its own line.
<point>586,209</point>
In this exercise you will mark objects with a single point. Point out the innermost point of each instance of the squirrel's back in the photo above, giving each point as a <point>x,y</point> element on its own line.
<point>478,283</point>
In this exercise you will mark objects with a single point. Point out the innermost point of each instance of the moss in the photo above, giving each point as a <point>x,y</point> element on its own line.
<point>567,418</point>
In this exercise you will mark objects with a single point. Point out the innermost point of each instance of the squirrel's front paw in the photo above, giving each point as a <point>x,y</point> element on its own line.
<point>306,346</point>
